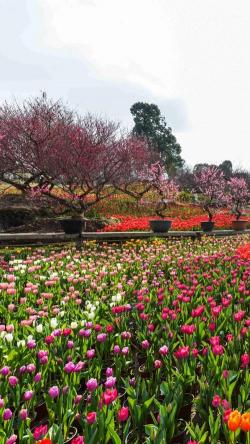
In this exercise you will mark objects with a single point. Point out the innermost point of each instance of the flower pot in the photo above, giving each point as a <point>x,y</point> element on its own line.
<point>239,225</point>
<point>72,435</point>
<point>160,226</point>
<point>207,226</point>
<point>72,226</point>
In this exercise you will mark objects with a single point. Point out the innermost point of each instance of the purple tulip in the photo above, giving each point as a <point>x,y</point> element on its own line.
<point>79,366</point>
<point>57,332</point>
<point>31,368</point>
<point>5,371</point>
<point>117,349</point>
<point>163,350</point>
<point>125,350</point>
<point>28,395</point>
<point>12,439</point>
<point>84,333</point>
<point>65,390</point>
<point>13,381</point>
<point>91,384</point>
<point>77,399</point>
<point>69,367</point>
<point>145,344</point>
<point>109,372</point>
<point>37,377</point>
<point>43,360</point>
<point>54,391</point>
<point>7,414</point>
<point>132,382</point>
<point>22,369</point>
<point>90,353</point>
<point>42,353</point>
<point>89,324</point>
<point>23,414</point>
<point>31,344</point>
<point>110,382</point>
<point>101,337</point>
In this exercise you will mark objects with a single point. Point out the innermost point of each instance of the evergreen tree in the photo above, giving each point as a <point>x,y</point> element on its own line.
<point>149,123</point>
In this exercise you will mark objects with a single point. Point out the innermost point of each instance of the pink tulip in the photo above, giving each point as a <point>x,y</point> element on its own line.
<point>91,384</point>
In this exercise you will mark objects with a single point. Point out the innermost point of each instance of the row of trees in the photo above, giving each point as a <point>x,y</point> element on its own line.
<point>185,176</point>
<point>214,189</point>
<point>46,149</point>
<point>149,123</point>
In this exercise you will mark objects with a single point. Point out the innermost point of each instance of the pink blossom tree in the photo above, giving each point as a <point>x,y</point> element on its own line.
<point>48,150</point>
<point>238,195</point>
<point>165,188</point>
<point>210,186</point>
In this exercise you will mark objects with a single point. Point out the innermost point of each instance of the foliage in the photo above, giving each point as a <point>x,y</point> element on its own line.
<point>165,188</point>
<point>239,195</point>
<point>210,186</point>
<point>149,123</point>
<point>47,149</point>
<point>227,168</point>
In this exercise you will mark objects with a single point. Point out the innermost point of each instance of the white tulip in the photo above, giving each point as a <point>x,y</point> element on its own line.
<point>73,325</point>
<point>39,328</point>
<point>9,337</point>
<point>53,322</point>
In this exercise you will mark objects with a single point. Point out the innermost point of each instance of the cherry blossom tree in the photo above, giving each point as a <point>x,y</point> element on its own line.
<point>238,194</point>
<point>167,190</point>
<point>48,150</point>
<point>210,187</point>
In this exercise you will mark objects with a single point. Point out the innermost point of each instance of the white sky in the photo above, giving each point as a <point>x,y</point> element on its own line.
<point>191,57</point>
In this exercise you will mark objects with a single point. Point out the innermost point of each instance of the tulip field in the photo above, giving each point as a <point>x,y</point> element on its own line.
<point>142,342</point>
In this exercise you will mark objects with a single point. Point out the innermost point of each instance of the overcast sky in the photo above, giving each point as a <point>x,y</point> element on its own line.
<point>191,57</point>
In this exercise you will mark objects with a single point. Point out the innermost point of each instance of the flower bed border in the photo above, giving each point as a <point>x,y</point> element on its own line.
<point>12,239</point>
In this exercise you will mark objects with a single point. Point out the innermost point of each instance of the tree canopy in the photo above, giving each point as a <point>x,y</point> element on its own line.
<point>47,149</point>
<point>149,123</point>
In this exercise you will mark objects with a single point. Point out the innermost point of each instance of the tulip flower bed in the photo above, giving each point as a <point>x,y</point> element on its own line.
<point>147,342</point>
<point>130,223</point>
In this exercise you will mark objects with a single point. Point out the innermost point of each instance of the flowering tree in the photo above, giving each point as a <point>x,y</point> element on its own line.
<point>238,194</point>
<point>210,186</point>
<point>167,189</point>
<point>48,150</point>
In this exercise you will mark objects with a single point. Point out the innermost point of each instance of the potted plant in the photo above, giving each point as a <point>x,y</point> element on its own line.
<point>239,196</point>
<point>72,224</point>
<point>210,189</point>
<point>168,191</point>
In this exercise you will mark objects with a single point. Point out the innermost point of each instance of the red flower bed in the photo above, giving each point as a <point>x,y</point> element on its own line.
<point>131,223</point>
<point>244,251</point>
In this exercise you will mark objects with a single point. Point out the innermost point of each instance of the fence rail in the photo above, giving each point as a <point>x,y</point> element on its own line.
<point>38,238</point>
